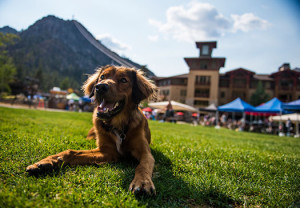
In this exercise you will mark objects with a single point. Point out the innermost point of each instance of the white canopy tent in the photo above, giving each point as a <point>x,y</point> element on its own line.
<point>212,107</point>
<point>176,106</point>
<point>295,117</point>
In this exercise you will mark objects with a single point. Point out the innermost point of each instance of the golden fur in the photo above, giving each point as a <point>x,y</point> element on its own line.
<point>124,88</point>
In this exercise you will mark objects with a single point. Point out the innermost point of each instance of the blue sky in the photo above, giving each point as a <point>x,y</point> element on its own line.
<point>258,35</point>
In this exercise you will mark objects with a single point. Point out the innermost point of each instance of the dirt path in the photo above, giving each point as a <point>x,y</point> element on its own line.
<point>8,105</point>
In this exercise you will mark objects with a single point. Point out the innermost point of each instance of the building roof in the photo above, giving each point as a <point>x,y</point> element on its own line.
<point>212,44</point>
<point>265,77</point>
<point>172,77</point>
<point>290,72</point>
<point>195,62</point>
<point>240,70</point>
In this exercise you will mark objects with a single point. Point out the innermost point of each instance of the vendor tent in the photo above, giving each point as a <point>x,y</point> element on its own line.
<point>73,96</point>
<point>86,99</point>
<point>175,105</point>
<point>295,117</point>
<point>292,106</point>
<point>211,108</point>
<point>272,106</point>
<point>238,105</point>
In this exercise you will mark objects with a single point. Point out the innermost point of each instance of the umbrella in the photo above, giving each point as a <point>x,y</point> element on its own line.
<point>73,96</point>
<point>176,106</point>
<point>179,114</point>
<point>147,109</point>
<point>195,114</point>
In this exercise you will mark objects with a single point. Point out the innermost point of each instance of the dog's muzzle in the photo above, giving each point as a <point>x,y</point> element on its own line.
<point>101,88</point>
<point>107,109</point>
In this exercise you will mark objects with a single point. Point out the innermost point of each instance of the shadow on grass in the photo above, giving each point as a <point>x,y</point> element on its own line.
<point>171,190</point>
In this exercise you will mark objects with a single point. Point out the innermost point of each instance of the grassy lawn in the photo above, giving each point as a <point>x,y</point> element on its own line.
<point>195,166</point>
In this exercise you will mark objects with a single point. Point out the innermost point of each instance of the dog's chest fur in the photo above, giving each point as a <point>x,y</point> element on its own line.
<point>118,140</point>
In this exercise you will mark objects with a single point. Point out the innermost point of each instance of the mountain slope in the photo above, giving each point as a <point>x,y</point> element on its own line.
<point>52,49</point>
<point>7,29</point>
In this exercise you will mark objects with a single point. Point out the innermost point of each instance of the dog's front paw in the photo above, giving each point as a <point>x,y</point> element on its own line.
<point>142,185</point>
<point>43,166</point>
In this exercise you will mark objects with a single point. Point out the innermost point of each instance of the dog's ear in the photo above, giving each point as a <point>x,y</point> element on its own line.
<point>142,88</point>
<point>89,85</point>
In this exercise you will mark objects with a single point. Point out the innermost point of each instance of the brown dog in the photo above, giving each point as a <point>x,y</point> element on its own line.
<point>119,126</point>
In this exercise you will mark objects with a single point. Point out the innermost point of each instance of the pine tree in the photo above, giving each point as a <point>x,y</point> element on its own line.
<point>259,96</point>
<point>7,67</point>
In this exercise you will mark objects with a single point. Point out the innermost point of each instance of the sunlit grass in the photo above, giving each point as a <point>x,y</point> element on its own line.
<point>195,166</point>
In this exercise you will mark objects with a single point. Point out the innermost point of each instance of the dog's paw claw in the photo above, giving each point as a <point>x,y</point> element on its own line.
<point>142,187</point>
<point>137,190</point>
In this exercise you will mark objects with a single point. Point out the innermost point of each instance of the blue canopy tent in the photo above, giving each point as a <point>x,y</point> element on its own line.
<point>295,107</point>
<point>238,105</point>
<point>272,106</point>
<point>86,99</point>
<point>292,106</point>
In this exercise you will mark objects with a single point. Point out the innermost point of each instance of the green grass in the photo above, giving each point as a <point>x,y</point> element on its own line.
<point>195,166</point>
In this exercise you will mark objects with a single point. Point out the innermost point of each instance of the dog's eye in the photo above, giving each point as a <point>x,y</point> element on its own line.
<point>123,80</point>
<point>102,77</point>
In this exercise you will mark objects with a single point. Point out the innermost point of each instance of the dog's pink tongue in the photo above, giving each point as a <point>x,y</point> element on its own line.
<point>105,106</point>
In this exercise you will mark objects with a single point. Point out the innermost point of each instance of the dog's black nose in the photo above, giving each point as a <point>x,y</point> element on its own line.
<point>101,88</point>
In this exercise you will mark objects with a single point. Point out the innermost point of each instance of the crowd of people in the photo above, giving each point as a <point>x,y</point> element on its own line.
<point>259,124</point>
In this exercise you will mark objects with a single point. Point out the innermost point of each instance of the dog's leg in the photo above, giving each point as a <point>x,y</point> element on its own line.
<point>70,157</point>
<point>92,134</point>
<point>142,181</point>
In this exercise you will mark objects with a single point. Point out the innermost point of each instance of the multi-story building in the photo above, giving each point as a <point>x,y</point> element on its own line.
<point>204,85</point>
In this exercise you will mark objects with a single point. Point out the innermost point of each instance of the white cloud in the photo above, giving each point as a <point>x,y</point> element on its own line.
<point>202,21</point>
<point>194,22</point>
<point>113,44</point>
<point>248,21</point>
<point>153,37</point>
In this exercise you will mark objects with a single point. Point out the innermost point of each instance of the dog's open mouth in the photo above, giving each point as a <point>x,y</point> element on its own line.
<point>107,110</point>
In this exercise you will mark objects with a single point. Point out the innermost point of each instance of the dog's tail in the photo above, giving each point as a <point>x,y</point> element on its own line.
<point>92,134</point>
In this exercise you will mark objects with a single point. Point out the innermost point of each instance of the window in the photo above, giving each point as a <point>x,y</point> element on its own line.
<point>205,50</point>
<point>203,66</point>
<point>164,82</point>
<point>267,85</point>
<point>202,80</point>
<point>164,92</point>
<point>200,103</point>
<point>178,81</point>
<point>253,84</point>
<point>236,94</point>
<point>182,92</point>
<point>286,84</point>
<point>201,93</point>
<point>239,83</point>
<point>222,94</point>
<point>224,83</point>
